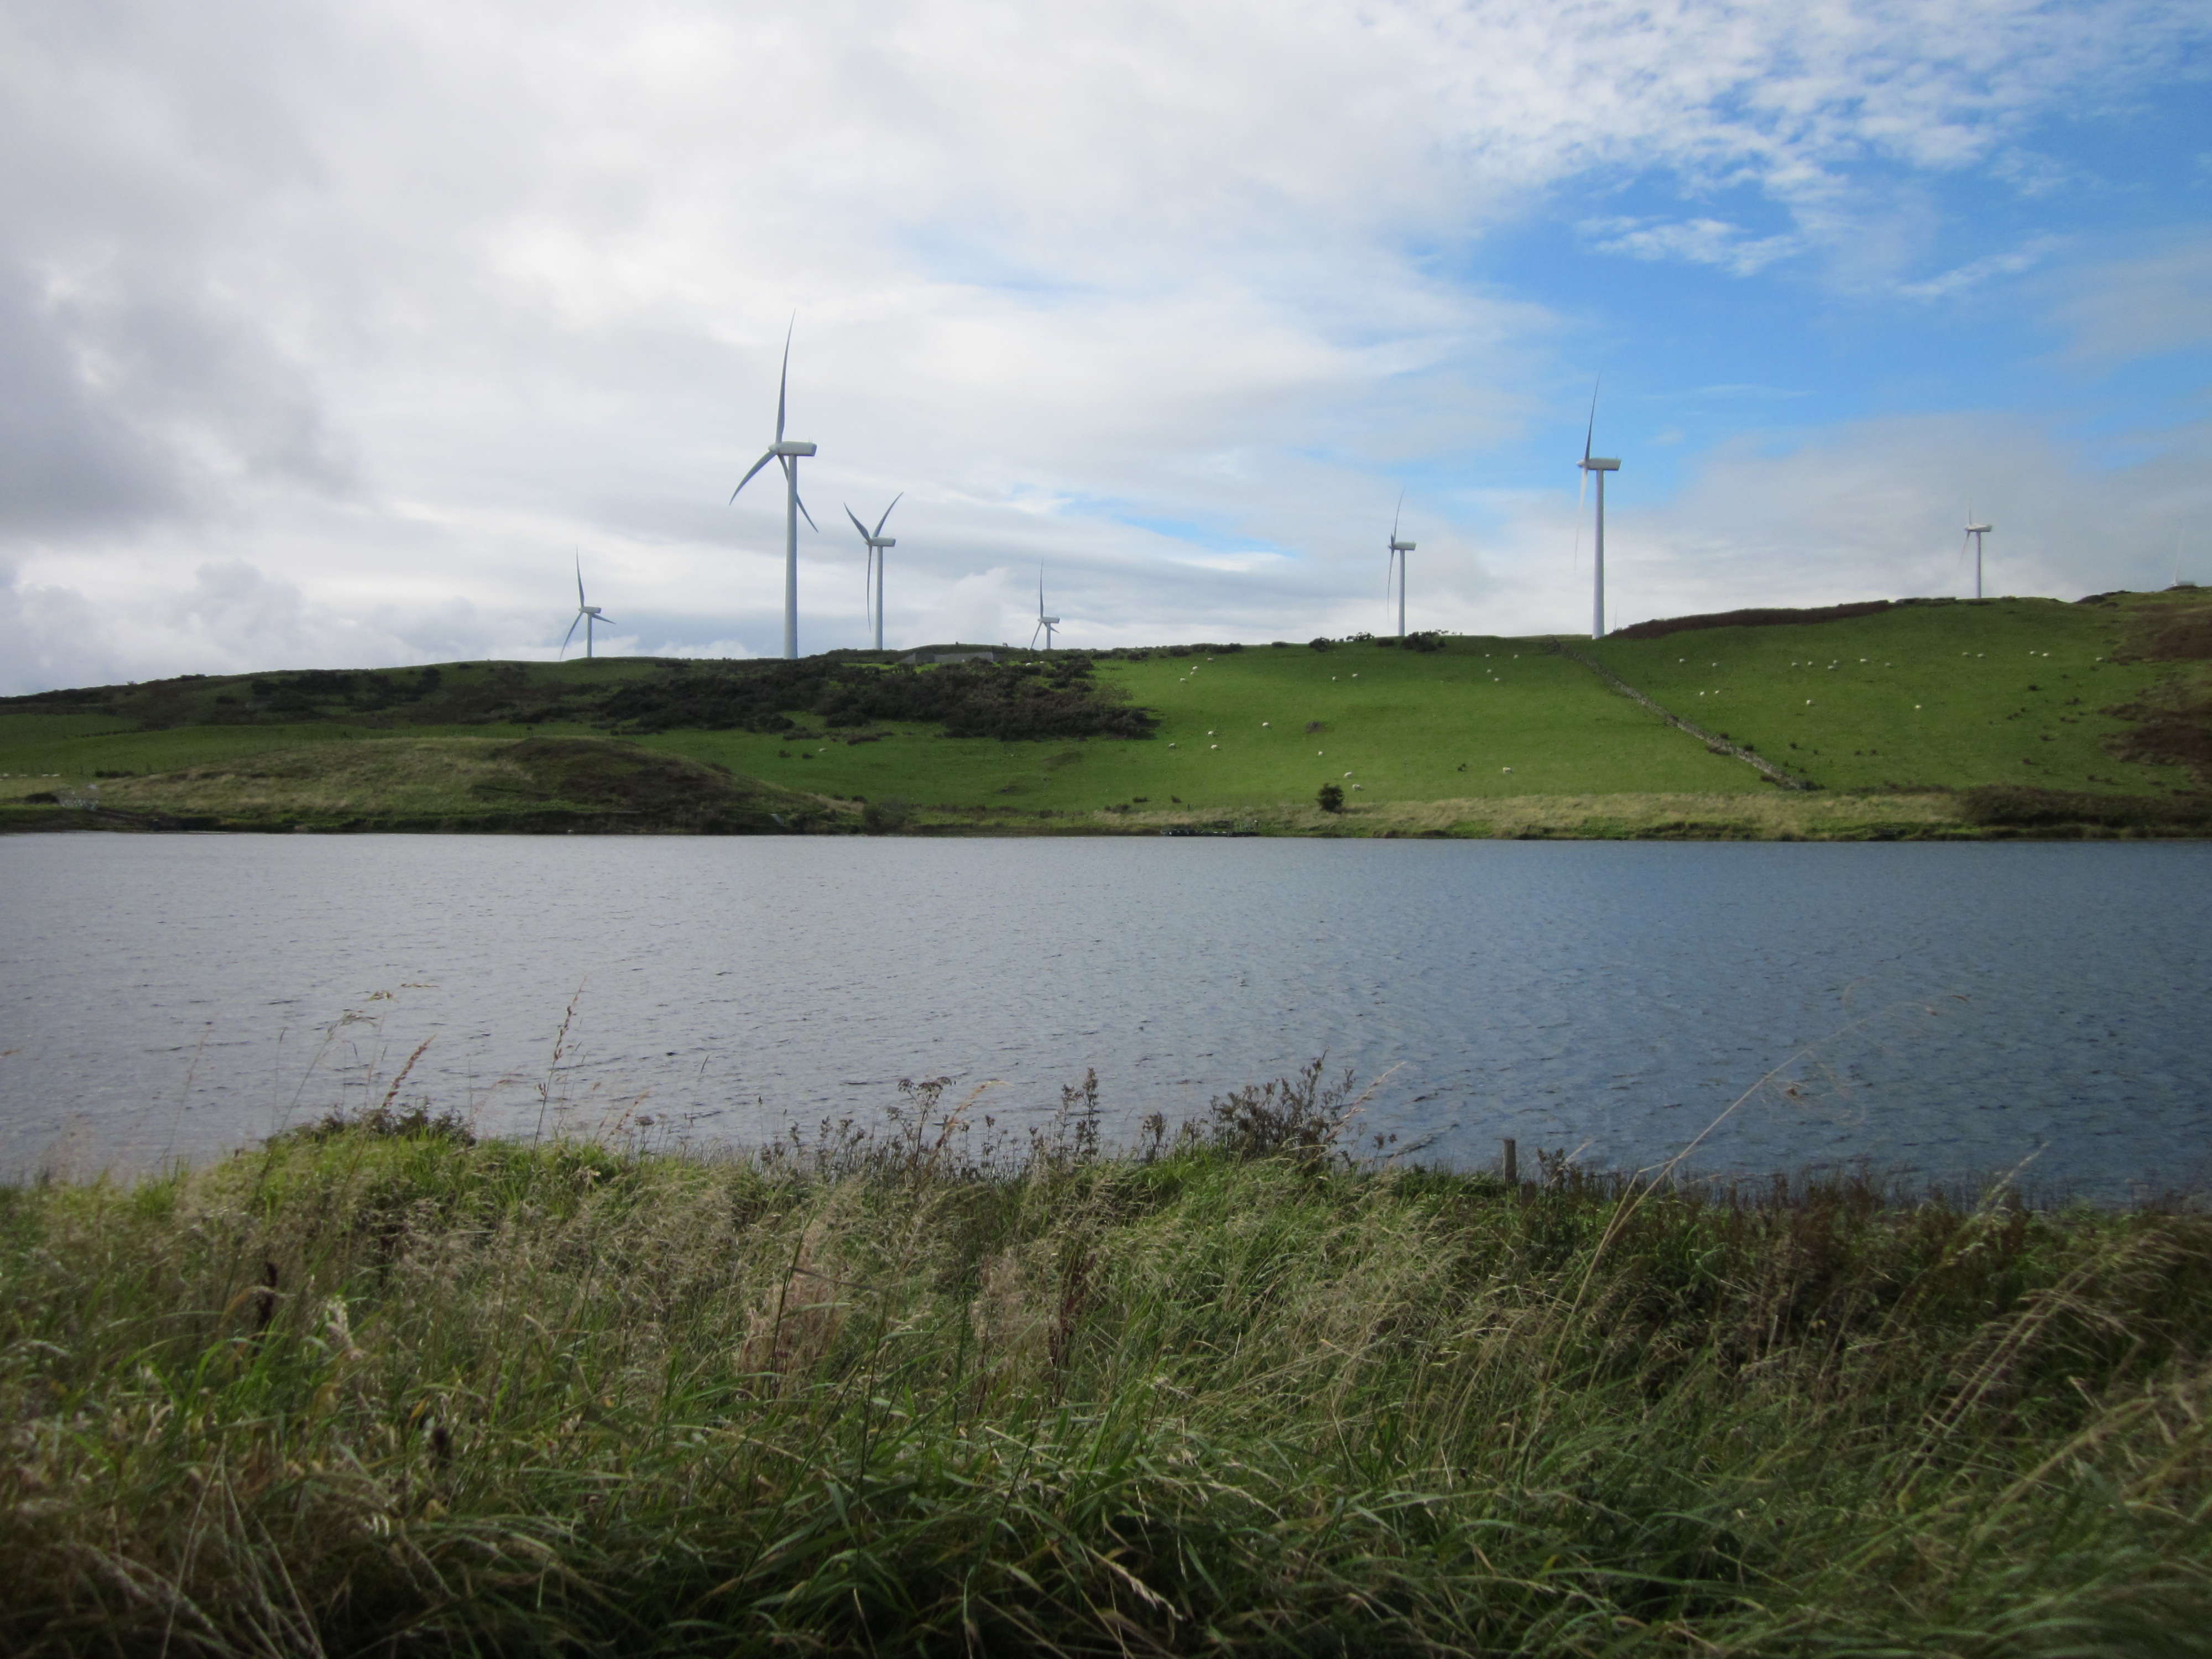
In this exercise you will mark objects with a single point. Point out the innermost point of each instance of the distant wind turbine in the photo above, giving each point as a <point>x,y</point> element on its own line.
<point>877,542</point>
<point>787,455</point>
<point>588,615</point>
<point>1975,531</point>
<point>1398,552</point>
<point>1045,624</point>
<point>1599,465</point>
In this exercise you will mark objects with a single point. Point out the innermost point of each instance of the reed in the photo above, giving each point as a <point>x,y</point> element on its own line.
<point>380,1387</point>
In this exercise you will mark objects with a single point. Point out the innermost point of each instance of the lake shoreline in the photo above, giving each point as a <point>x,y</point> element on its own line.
<point>1809,815</point>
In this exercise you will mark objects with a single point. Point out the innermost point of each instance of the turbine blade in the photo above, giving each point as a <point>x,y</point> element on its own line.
<point>605,620</point>
<point>580,580</point>
<point>571,634</point>
<point>783,384</point>
<point>857,525</point>
<point>1396,513</point>
<point>886,518</point>
<point>748,479</point>
<point>1590,432</point>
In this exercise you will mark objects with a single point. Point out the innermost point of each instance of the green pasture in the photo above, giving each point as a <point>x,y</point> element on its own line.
<point>1929,696</point>
<point>1234,734</point>
<point>1974,692</point>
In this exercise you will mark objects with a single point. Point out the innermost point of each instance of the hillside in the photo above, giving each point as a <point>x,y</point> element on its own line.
<point>1918,717</point>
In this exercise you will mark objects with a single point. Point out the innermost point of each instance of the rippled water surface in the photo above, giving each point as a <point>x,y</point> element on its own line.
<point>1946,1011</point>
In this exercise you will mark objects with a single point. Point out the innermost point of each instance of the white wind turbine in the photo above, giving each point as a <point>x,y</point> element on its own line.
<point>872,579</point>
<point>1599,465</point>
<point>1975,530</point>
<point>588,615</point>
<point>1045,624</point>
<point>787,454</point>
<point>1398,552</point>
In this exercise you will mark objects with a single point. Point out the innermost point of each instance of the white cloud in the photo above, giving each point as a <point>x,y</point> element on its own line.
<point>398,306</point>
<point>1975,272</point>
<point>1876,509</point>
<point>1699,241</point>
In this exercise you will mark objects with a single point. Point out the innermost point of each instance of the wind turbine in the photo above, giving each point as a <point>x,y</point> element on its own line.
<point>1599,465</point>
<point>1975,531</point>
<point>1045,624</point>
<point>1398,552</point>
<point>877,542</point>
<point>588,615</point>
<point>787,454</point>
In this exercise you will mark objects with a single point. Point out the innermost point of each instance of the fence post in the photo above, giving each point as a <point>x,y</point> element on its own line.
<point>1512,1165</point>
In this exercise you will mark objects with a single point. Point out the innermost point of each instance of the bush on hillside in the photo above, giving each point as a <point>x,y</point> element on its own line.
<point>2021,806</point>
<point>1008,701</point>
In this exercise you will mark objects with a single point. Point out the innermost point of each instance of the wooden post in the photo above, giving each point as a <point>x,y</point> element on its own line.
<point>1512,1165</point>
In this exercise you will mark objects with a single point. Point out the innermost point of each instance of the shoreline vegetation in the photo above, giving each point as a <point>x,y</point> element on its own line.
<point>1250,1386</point>
<point>1916,719</point>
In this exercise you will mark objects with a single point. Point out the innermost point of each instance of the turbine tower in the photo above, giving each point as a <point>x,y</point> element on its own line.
<point>1975,530</point>
<point>587,614</point>
<point>872,579</point>
<point>787,454</point>
<point>1045,624</point>
<point>1398,552</point>
<point>1599,465</point>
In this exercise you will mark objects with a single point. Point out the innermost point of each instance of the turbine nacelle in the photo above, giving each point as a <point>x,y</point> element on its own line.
<point>1979,529</point>
<point>1397,546</point>
<point>1600,464</point>
<point>794,448</point>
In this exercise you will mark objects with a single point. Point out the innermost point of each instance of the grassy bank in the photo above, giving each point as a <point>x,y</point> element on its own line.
<point>379,1389</point>
<point>1903,710</point>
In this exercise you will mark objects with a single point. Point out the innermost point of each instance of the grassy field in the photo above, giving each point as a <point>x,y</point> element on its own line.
<point>2002,691</point>
<point>377,1389</point>
<point>1243,730</point>
<point>1892,711</point>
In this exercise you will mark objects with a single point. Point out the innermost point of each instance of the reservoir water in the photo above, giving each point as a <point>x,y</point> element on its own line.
<point>1936,1011</point>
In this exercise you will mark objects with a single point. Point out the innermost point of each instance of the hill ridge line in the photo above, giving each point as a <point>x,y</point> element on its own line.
<point>1712,741</point>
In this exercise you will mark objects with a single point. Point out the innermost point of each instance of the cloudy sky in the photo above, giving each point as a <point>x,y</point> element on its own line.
<point>330,333</point>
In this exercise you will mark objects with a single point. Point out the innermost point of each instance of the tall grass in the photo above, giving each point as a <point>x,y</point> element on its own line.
<point>378,1386</point>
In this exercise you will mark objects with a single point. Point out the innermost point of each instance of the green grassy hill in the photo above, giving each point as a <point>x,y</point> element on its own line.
<point>1922,717</point>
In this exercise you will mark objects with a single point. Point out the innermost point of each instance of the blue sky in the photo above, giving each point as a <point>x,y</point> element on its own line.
<point>332,334</point>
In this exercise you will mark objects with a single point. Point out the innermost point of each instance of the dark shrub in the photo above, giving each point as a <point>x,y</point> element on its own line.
<point>2025,808</point>
<point>883,817</point>
<point>1330,798</point>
